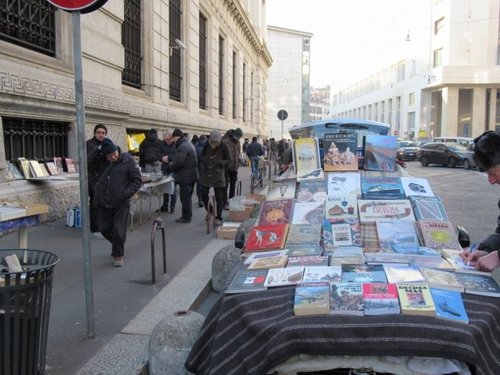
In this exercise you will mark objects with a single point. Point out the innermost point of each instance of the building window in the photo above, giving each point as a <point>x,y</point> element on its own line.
<point>175,73</point>
<point>411,98</point>
<point>438,58</point>
<point>30,24</point>
<point>438,25</point>
<point>221,75</point>
<point>203,62</point>
<point>34,139</point>
<point>131,41</point>
<point>234,85</point>
<point>244,92</point>
<point>251,97</point>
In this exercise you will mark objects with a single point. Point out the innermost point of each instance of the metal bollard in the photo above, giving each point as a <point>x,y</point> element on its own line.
<point>158,225</point>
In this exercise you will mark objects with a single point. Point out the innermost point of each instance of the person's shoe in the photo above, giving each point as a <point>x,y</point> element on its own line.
<point>118,261</point>
<point>96,236</point>
<point>200,204</point>
<point>172,211</point>
<point>182,220</point>
<point>226,206</point>
<point>163,209</point>
<point>218,222</point>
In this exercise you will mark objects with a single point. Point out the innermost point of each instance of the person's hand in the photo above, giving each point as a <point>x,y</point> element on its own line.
<point>472,257</point>
<point>488,262</point>
<point>164,159</point>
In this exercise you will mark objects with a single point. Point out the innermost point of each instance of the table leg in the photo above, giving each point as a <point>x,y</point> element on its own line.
<point>23,237</point>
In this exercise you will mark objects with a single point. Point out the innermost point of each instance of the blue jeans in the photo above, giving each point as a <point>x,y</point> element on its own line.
<point>185,192</point>
<point>255,166</point>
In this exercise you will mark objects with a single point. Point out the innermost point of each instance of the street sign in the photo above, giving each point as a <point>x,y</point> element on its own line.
<point>282,114</point>
<point>84,6</point>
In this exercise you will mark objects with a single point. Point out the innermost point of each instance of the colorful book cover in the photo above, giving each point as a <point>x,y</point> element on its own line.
<point>266,237</point>
<point>441,279</point>
<point>346,298</point>
<point>416,299</point>
<point>380,152</point>
<point>308,260</point>
<point>347,255</point>
<point>308,213</point>
<point>312,299</point>
<point>397,235</point>
<point>304,249</point>
<point>267,263</point>
<point>438,234</point>
<point>307,164</point>
<point>449,305</point>
<point>342,184</point>
<point>482,285</point>
<point>340,152</point>
<point>276,212</point>
<point>310,190</point>
<point>371,210</point>
<point>303,234</point>
<point>328,235</point>
<point>281,190</point>
<point>341,207</point>
<point>363,274</point>
<point>284,276</point>
<point>376,187</point>
<point>247,281</point>
<point>416,186</point>
<point>403,274</point>
<point>332,274</point>
<point>341,234</point>
<point>380,298</point>
<point>428,208</point>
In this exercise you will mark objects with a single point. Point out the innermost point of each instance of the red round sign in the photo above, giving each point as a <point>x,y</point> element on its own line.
<point>75,5</point>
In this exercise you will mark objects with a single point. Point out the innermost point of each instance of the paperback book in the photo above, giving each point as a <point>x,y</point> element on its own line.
<point>449,305</point>
<point>438,234</point>
<point>380,152</point>
<point>441,279</point>
<point>346,298</point>
<point>307,164</point>
<point>266,237</point>
<point>284,276</point>
<point>312,299</point>
<point>340,152</point>
<point>453,257</point>
<point>428,208</point>
<point>416,299</point>
<point>380,298</point>
<point>416,186</point>
<point>281,190</point>
<point>332,274</point>
<point>375,187</point>
<point>363,274</point>
<point>347,255</point>
<point>308,260</point>
<point>250,257</point>
<point>308,213</point>
<point>15,171</point>
<point>372,210</point>
<point>303,234</point>
<point>342,184</point>
<point>403,274</point>
<point>310,190</point>
<point>397,235</point>
<point>304,249</point>
<point>276,212</point>
<point>267,263</point>
<point>341,207</point>
<point>247,281</point>
<point>52,168</point>
<point>482,285</point>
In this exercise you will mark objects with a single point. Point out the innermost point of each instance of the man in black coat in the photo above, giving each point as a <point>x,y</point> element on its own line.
<point>119,181</point>
<point>151,151</point>
<point>232,141</point>
<point>169,150</point>
<point>184,165</point>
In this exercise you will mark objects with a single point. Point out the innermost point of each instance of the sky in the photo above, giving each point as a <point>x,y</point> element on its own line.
<point>349,35</point>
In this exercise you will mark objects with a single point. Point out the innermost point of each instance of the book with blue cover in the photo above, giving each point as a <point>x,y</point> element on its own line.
<point>380,152</point>
<point>376,187</point>
<point>363,274</point>
<point>449,305</point>
<point>428,208</point>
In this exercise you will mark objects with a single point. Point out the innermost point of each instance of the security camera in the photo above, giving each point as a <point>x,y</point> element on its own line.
<point>179,44</point>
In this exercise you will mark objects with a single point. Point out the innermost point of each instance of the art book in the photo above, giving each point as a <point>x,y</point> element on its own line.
<point>341,207</point>
<point>376,187</point>
<point>266,237</point>
<point>276,212</point>
<point>449,305</point>
<point>403,274</point>
<point>438,234</point>
<point>250,257</point>
<point>308,213</point>
<point>380,152</point>
<point>480,284</point>
<point>346,298</point>
<point>304,249</point>
<point>312,299</point>
<point>307,164</point>
<point>363,274</point>
<point>380,298</point>
<point>281,190</point>
<point>340,152</point>
<point>308,260</point>
<point>416,299</point>
<point>303,234</point>
<point>441,279</point>
<point>416,186</point>
<point>332,274</point>
<point>342,184</point>
<point>328,234</point>
<point>371,210</point>
<point>347,255</point>
<point>247,281</point>
<point>284,276</point>
<point>341,234</point>
<point>428,208</point>
<point>267,263</point>
<point>397,235</point>
<point>310,190</point>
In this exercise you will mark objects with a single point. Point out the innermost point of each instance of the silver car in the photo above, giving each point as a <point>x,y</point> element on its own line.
<point>468,160</point>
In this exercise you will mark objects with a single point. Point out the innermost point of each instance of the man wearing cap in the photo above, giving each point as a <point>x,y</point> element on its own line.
<point>487,158</point>
<point>119,181</point>
<point>151,151</point>
<point>184,165</point>
<point>232,141</point>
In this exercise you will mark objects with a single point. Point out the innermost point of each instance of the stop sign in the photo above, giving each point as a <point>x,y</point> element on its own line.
<point>84,6</point>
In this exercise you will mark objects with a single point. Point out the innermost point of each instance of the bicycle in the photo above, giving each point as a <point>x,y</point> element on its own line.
<point>258,181</point>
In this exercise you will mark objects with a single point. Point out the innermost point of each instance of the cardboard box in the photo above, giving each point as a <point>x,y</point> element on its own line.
<point>241,215</point>
<point>36,209</point>
<point>226,233</point>
<point>258,197</point>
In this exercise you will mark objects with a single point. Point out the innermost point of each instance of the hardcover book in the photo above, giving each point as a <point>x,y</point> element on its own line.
<point>380,152</point>
<point>69,165</point>
<point>36,169</point>
<point>308,260</point>
<point>449,305</point>
<point>341,207</point>
<point>266,237</point>
<point>363,274</point>
<point>403,274</point>
<point>15,171</point>
<point>310,190</point>
<point>267,263</point>
<point>441,279</point>
<point>380,298</point>
<point>247,281</point>
<point>428,208</point>
<point>438,234</point>
<point>375,187</point>
<point>482,285</point>
<point>342,184</point>
<point>284,276</point>
<point>397,235</point>
<point>346,298</point>
<point>372,210</point>
<point>304,249</point>
<point>416,186</point>
<point>250,257</point>
<point>347,255</point>
<point>340,152</point>
<point>51,167</point>
<point>24,166</point>
<point>341,234</point>
<point>303,234</point>
<point>312,299</point>
<point>307,164</point>
<point>59,164</point>
<point>308,213</point>
<point>328,235</point>
<point>416,299</point>
<point>276,212</point>
<point>281,190</point>
<point>332,274</point>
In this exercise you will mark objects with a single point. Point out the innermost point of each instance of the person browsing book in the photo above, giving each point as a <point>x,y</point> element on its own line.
<point>487,158</point>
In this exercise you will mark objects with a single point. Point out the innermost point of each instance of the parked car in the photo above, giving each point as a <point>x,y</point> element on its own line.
<point>407,150</point>
<point>448,154</point>
<point>462,140</point>
<point>469,161</point>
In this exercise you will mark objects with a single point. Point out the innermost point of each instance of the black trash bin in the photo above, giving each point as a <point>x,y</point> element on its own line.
<point>24,311</point>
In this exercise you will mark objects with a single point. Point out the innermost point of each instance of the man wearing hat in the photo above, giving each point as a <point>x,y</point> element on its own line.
<point>184,165</point>
<point>119,181</point>
<point>232,141</point>
<point>151,151</point>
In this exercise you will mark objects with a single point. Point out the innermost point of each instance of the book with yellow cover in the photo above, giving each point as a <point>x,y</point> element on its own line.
<point>416,299</point>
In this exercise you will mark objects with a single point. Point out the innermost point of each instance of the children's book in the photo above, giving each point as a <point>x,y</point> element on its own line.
<point>247,281</point>
<point>341,207</point>
<point>307,164</point>
<point>284,276</point>
<point>310,190</point>
<point>441,279</point>
<point>308,260</point>
<point>340,152</point>
<point>332,274</point>
<point>363,274</point>
<point>438,234</point>
<point>402,274</point>
<point>380,298</point>
<point>312,299</point>
<point>308,213</point>
<point>303,234</point>
<point>276,212</point>
<point>397,235</point>
<point>304,249</point>
<point>346,298</point>
<point>380,152</point>
<point>372,210</point>
<point>483,285</point>
<point>376,187</point>
<point>416,299</point>
<point>449,305</point>
<point>416,186</point>
<point>267,263</point>
<point>281,190</point>
<point>342,184</point>
<point>266,237</point>
<point>250,257</point>
<point>428,208</point>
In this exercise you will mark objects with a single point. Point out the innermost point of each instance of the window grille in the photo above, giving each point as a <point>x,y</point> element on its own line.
<point>30,24</point>
<point>203,62</point>
<point>131,41</point>
<point>175,74</point>
<point>244,92</point>
<point>34,139</point>
<point>221,75</point>
<point>234,85</point>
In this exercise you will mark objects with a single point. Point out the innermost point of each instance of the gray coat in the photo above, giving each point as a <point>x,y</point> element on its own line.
<point>184,163</point>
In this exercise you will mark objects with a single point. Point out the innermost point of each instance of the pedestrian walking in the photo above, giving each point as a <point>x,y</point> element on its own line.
<point>199,148</point>
<point>232,140</point>
<point>254,151</point>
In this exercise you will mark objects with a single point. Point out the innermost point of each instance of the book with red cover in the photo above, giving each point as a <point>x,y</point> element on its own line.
<point>276,212</point>
<point>266,237</point>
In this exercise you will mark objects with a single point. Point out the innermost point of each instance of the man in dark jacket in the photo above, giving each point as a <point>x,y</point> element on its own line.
<point>215,157</point>
<point>119,181</point>
<point>184,165</point>
<point>199,146</point>
<point>96,163</point>
<point>169,150</point>
<point>254,151</point>
<point>232,140</point>
<point>150,152</point>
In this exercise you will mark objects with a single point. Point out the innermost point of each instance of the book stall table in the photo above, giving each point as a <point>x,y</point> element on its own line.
<point>21,221</point>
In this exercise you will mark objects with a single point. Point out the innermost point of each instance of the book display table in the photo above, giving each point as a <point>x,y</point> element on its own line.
<point>27,217</point>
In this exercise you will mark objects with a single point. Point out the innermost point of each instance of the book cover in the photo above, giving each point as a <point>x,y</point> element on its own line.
<point>35,169</point>
<point>428,208</point>
<point>24,166</point>
<point>363,274</point>
<point>69,165</point>
<point>250,257</point>
<point>310,190</point>
<point>376,187</point>
<point>380,298</point>
<point>341,207</point>
<point>51,167</point>
<point>416,186</point>
<point>303,234</point>
<point>267,263</point>
<point>304,249</point>
<point>281,190</point>
<point>449,305</point>
<point>59,164</point>
<point>312,299</point>
<point>416,299</point>
<point>430,262</point>
<point>347,255</point>
<point>247,281</point>
<point>417,250</point>
<point>307,164</point>
<point>332,274</point>
<point>284,276</point>
<point>276,212</point>
<point>441,279</point>
<point>397,235</point>
<point>372,210</point>
<point>342,184</point>
<point>346,298</point>
<point>403,274</point>
<point>340,152</point>
<point>479,284</point>
<point>308,260</point>
<point>308,213</point>
<point>380,152</point>
<point>328,235</point>
<point>341,234</point>
<point>438,234</point>
<point>266,237</point>
<point>15,171</point>
<point>452,256</point>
